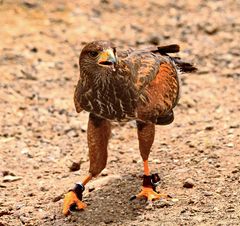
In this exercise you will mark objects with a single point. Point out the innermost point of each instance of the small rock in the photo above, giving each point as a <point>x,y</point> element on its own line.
<point>34,50</point>
<point>234,126</point>
<point>102,181</point>
<point>30,194</point>
<point>19,206</point>
<point>230,145</point>
<point>191,201</point>
<point>157,161</point>
<point>24,219</point>
<point>2,186</point>
<point>163,203</point>
<point>235,171</point>
<point>209,28</point>
<point>57,198</point>
<point>207,193</point>
<point>189,183</point>
<point>10,178</point>
<point>75,166</point>
<point>149,206</point>
<point>44,189</point>
<point>50,52</point>
<point>91,188</point>
<point>104,173</point>
<point>6,172</point>
<point>230,209</point>
<point>72,132</point>
<point>208,128</point>
<point>108,221</point>
<point>30,4</point>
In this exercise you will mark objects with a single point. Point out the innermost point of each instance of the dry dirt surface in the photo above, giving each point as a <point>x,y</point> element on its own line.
<point>41,135</point>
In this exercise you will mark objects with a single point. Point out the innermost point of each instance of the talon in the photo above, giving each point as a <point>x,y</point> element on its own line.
<point>149,194</point>
<point>133,197</point>
<point>72,203</point>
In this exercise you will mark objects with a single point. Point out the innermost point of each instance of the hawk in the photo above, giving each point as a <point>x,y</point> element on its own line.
<point>115,85</point>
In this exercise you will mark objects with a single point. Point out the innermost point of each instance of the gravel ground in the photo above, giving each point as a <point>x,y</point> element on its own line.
<point>41,135</point>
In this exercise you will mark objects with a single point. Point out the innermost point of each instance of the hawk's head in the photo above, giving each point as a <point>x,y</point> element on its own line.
<point>98,57</point>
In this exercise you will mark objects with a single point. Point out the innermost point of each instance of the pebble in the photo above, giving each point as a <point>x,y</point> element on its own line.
<point>211,29</point>
<point>6,172</point>
<point>91,188</point>
<point>74,167</point>
<point>208,128</point>
<point>10,178</point>
<point>57,198</point>
<point>163,203</point>
<point>30,4</point>
<point>104,172</point>
<point>23,219</point>
<point>230,145</point>
<point>207,193</point>
<point>230,209</point>
<point>188,183</point>
<point>102,181</point>
<point>2,186</point>
<point>34,50</point>
<point>235,171</point>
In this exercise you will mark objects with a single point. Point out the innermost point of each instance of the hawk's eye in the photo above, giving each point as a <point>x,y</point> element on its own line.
<point>93,53</point>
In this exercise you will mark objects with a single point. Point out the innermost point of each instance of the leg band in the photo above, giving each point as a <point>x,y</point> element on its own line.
<point>78,190</point>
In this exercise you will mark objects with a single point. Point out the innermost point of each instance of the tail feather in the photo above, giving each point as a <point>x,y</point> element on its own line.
<point>174,48</point>
<point>184,66</point>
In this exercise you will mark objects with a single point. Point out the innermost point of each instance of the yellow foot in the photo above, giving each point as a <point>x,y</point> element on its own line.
<point>71,200</point>
<point>149,194</point>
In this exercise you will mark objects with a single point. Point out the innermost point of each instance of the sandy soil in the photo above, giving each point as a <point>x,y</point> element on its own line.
<point>41,135</point>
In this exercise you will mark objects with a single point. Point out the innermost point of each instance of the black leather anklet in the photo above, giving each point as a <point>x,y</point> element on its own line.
<point>78,190</point>
<point>151,181</point>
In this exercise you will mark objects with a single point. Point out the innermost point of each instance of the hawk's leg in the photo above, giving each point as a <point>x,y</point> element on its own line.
<point>146,132</point>
<point>98,135</point>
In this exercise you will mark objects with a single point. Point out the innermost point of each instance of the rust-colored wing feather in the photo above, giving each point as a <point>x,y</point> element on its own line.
<point>161,94</point>
<point>156,81</point>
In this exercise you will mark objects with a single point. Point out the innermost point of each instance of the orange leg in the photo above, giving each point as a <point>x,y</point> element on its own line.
<point>147,188</point>
<point>146,134</point>
<point>146,168</point>
<point>98,136</point>
<point>87,179</point>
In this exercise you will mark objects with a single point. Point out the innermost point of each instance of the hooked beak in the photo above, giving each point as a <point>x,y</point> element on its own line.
<point>107,58</point>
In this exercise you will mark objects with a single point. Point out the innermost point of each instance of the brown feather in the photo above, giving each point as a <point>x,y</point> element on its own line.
<point>162,94</point>
<point>76,98</point>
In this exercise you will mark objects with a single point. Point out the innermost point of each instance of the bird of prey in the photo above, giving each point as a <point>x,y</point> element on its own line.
<point>140,85</point>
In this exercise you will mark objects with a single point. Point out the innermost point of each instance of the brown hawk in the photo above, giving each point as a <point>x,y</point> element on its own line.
<point>114,85</point>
